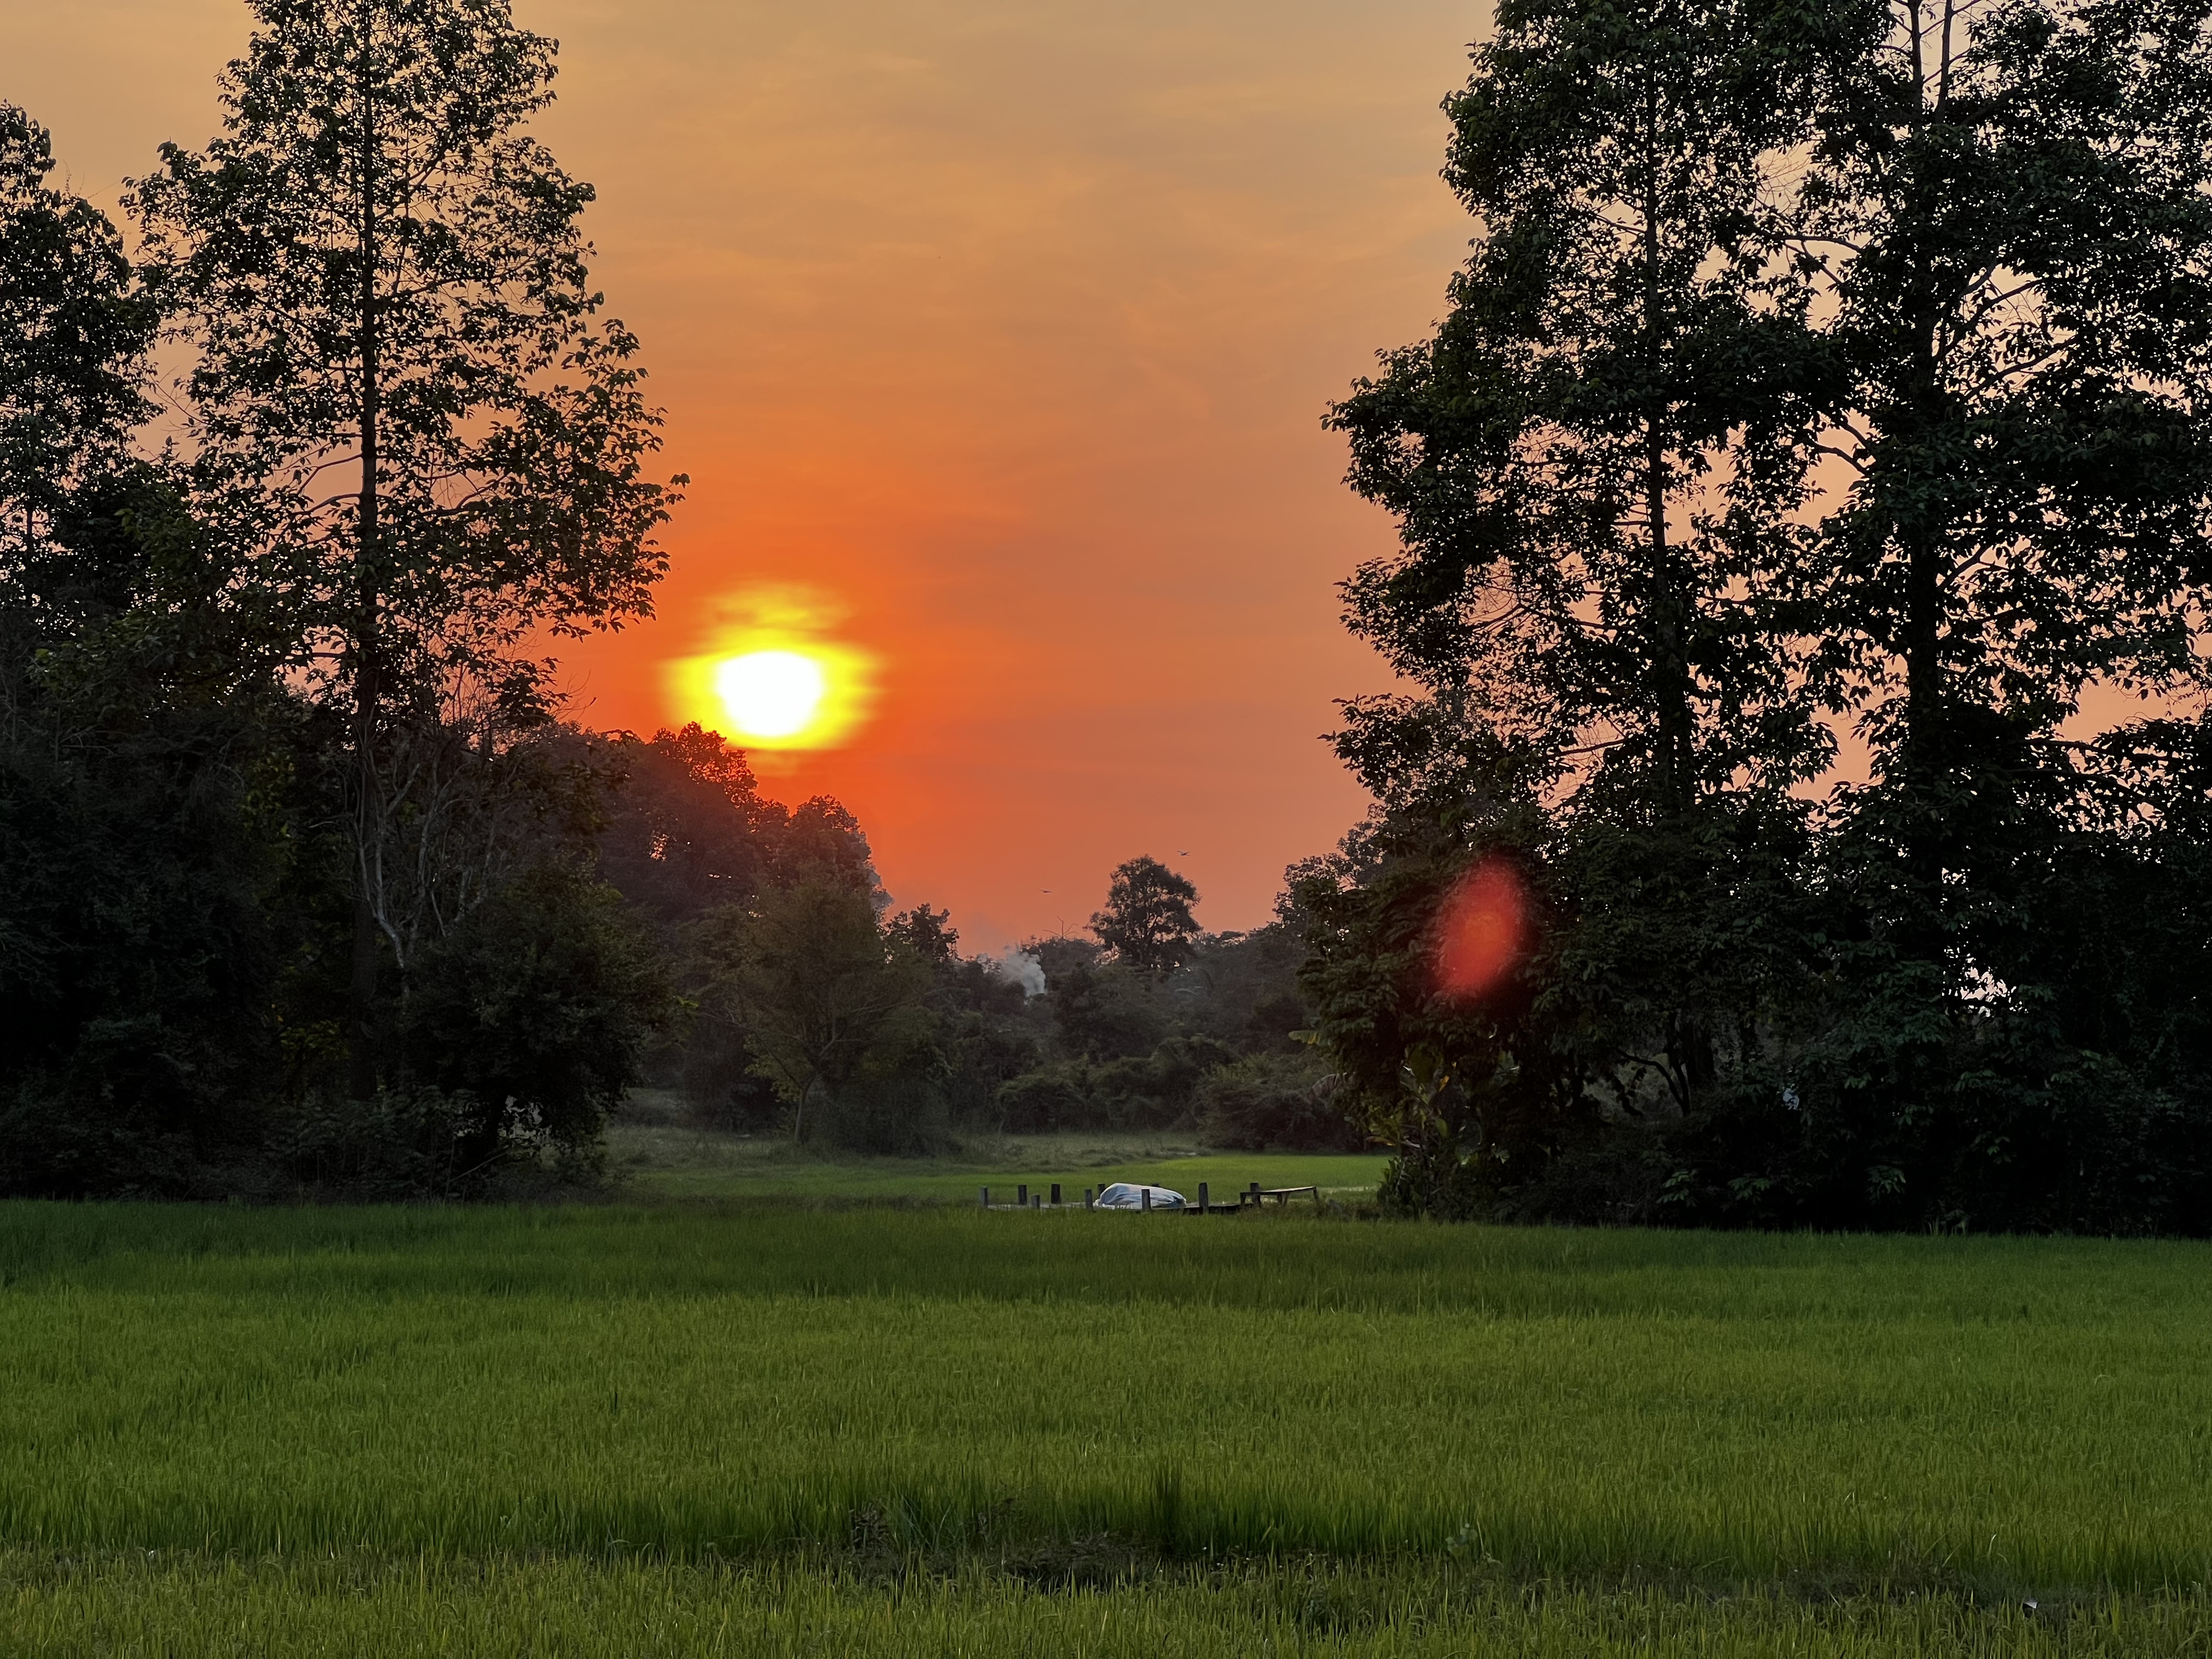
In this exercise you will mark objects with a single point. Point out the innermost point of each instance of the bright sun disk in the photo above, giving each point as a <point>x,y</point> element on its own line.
<point>770,694</point>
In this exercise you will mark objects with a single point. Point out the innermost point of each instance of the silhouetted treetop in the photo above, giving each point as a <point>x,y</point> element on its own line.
<point>1147,921</point>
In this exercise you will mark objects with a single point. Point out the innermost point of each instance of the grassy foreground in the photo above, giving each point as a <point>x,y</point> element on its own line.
<point>764,1428</point>
<point>511,1607</point>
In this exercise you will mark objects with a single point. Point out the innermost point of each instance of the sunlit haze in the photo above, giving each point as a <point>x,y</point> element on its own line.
<point>995,340</point>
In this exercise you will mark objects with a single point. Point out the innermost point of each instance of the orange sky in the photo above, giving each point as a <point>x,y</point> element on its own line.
<point>1006,325</point>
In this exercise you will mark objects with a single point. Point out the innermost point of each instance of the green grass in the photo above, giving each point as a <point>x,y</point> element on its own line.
<point>514,1607</point>
<point>668,1159</point>
<point>1602,1439</point>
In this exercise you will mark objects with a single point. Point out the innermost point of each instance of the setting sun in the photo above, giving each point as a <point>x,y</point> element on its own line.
<point>773,676</point>
<point>770,694</point>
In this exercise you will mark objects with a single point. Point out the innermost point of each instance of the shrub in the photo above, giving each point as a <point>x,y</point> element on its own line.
<point>540,1008</point>
<point>898,1114</point>
<point>1265,1102</point>
<point>1051,1097</point>
<point>402,1144</point>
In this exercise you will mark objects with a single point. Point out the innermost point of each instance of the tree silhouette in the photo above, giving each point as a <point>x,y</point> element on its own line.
<point>400,394</point>
<point>1837,363</point>
<point>1597,463</point>
<point>2009,223</point>
<point>73,330</point>
<point>1147,922</point>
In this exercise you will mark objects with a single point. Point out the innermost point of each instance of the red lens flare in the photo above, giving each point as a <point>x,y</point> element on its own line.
<point>1481,928</point>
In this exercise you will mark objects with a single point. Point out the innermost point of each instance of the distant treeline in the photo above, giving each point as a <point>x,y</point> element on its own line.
<point>1819,374</point>
<point>805,1015</point>
<point>307,887</point>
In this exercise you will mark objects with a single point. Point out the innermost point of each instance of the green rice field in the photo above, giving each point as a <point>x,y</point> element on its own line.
<point>763,1426</point>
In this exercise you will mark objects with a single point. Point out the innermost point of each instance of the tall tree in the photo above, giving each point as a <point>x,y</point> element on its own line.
<point>1147,921</point>
<point>1599,464</point>
<point>819,987</point>
<point>1960,255</point>
<point>401,393</point>
<point>74,331</point>
<point>1596,460</point>
<point>143,809</point>
<point>2008,221</point>
<point>2011,214</point>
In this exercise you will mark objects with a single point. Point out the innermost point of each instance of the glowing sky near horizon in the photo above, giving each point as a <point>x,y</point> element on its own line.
<point>996,338</point>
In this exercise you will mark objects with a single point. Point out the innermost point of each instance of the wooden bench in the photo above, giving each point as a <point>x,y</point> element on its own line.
<point>1253,1197</point>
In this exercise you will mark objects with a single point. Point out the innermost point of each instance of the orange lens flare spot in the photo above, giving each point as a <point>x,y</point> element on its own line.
<point>1481,931</point>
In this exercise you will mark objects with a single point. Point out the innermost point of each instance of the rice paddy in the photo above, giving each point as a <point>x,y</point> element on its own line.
<point>761,1427</point>
<point>785,1610</point>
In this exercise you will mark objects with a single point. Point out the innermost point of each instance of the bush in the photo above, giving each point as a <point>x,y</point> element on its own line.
<point>1109,1012</point>
<point>402,1144</point>
<point>718,1077</point>
<point>1159,1090</point>
<point>540,1008</point>
<point>1432,1179</point>
<point>1272,1102</point>
<point>899,1114</point>
<point>1154,1090</point>
<point>1049,1098</point>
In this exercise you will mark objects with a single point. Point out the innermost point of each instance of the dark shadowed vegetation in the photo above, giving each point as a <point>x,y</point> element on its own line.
<point>1811,461</point>
<point>1824,382</point>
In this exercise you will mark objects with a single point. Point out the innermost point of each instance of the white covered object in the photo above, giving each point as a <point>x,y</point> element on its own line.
<point>1123,1196</point>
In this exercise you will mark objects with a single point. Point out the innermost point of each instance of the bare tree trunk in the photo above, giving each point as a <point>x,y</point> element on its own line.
<point>1669,606</point>
<point>367,664</point>
<point>1689,1045</point>
<point>1921,531</point>
<point>799,1112</point>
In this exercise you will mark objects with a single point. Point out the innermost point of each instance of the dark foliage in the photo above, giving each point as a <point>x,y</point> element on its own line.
<point>1966,994</point>
<point>688,829</point>
<point>400,399</point>
<point>74,328</point>
<point>1272,1102</point>
<point>1114,1044</point>
<point>151,772</point>
<point>1147,922</point>
<point>536,1011</point>
<point>175,860</point>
